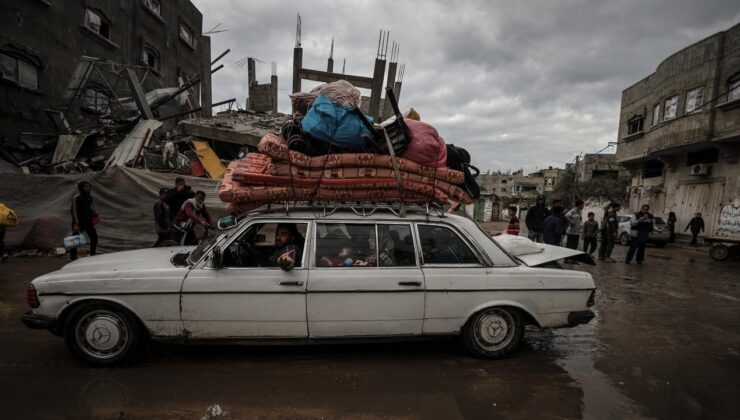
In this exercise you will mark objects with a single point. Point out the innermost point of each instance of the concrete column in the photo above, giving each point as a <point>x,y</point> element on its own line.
<point>297,67</point>
<point>330,65</point>
<point>390,82</point>
<point>274,91</point>
<point>204,46</point>
<point>377,88</point>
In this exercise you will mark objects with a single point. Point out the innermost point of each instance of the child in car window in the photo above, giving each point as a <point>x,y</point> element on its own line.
<point>378,256</point>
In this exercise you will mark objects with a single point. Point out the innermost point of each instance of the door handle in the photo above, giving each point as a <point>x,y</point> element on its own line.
<point>291,283</point>
<point>409,283</point>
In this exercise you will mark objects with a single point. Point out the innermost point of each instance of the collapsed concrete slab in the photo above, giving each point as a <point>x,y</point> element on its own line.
<point>242,128</point>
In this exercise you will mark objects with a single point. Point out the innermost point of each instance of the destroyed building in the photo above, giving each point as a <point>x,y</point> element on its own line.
<point>65,63</point>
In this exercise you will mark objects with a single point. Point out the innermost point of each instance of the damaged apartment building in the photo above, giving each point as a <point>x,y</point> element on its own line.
<point>87,72</point>
<point>679,131</point>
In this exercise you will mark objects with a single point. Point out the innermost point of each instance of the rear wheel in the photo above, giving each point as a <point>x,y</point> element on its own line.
<point>102,334</point>
<point>719,252</point>
<point>494,332</point>
<point>624,239</point>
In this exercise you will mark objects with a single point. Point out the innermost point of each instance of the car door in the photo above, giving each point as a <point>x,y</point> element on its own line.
<point>247,297</point>
<point>349,294</point>
<point>454,272</point>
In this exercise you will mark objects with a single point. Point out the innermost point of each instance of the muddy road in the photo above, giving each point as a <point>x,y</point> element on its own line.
<point>665,344</point>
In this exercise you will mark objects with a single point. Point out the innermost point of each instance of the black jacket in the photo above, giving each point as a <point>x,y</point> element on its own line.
<point>175,199</point>
<point>535,219</point>
<point>553,230</point>
<point>696,224</point>
<point>83,207</point>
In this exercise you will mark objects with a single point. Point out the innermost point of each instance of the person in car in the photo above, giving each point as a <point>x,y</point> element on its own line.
<point>385,253</point>
<point>288,250</point>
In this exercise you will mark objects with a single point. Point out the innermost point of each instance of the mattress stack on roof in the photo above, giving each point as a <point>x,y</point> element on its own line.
<point>277,174</point>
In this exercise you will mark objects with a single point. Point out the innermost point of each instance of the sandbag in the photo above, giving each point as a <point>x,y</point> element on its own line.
<point>7,216</point>
<point>426,147</point>
<point>341,92</point>
<point>332,123</point>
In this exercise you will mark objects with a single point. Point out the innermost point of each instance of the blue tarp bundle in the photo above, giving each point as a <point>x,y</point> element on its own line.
<point>333,123</point>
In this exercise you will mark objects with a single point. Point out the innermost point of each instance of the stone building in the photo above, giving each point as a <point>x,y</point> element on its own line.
<point>679,131</point>
<point>41,42</point>
<point>594,165</point>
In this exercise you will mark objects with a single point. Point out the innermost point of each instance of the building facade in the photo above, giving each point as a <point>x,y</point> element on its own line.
<point>594,166</point>
<point>41,42</point>
<point>679,131</point>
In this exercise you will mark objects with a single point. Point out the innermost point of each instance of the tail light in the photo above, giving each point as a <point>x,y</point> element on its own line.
<point>32,297</point>
<point>591,299</point>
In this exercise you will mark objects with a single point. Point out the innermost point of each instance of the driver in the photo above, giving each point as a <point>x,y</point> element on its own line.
<point>288,247</point>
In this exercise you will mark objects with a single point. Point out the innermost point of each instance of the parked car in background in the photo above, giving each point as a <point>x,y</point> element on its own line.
<point>355,277</point>
<point>659,236</point>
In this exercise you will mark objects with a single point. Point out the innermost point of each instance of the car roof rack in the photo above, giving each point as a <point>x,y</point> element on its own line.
<point>360,208</point>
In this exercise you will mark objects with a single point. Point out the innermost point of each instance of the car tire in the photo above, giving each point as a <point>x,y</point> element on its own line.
<point>624,239</point>
<point>494,332</point>
<point>102,334</point>
<point>719,252</point>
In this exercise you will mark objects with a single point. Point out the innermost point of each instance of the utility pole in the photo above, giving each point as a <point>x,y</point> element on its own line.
<point>575,180</point>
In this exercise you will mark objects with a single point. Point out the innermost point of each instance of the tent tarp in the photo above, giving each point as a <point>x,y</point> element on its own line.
<point>124,198</point>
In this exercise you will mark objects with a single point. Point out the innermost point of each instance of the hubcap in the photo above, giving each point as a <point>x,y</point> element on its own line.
<point>101,334</point>
<point>495,330</point>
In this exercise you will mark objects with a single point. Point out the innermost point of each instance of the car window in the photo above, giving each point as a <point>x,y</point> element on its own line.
<point>342,244</point>
<point>398,243</point>
<point>441,245</point>
<point>363,245</point>
<point>262,244</point>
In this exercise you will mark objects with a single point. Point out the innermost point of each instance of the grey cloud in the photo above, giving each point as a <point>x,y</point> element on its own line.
<point>519,83</point>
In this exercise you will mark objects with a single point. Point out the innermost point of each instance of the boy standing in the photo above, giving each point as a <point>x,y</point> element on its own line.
<point>513,227</point>
<point>161,217</point>
<point>590,233</point>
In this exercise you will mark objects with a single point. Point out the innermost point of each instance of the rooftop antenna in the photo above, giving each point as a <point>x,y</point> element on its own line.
<point>298,32</point>
<point>214,31</point>
<point>331,51</point>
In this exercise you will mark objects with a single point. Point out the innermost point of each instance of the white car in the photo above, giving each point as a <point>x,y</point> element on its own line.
<point>659,236</point>
<point>431,275</point>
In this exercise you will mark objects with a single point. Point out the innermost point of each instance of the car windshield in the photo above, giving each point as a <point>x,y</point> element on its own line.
<point>206,245</point>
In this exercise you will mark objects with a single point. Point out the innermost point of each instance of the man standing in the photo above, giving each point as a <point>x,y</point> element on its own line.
<point>640,229</point>
<point>590,232</point>
<point>84,217</point>
<point>161,217</point>
<point>192,212</point>
<point>609,231</point>
<point>177,196</point>
<point>535,219</point>
<point>553,228</point>
<point>697,225</point>
<point>574,219</point>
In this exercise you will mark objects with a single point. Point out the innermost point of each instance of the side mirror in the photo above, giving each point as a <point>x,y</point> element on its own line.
<point>217,257</point>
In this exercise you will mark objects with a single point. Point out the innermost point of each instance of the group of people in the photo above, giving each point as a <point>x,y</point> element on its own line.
<point>552,225</point>
<point>178,211</point>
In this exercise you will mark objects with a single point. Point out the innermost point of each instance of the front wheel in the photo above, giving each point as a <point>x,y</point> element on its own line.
<point>102,334</point>
<point>494,332</point>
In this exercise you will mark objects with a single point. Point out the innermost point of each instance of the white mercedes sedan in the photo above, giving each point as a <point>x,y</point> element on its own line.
<point>309,276</point>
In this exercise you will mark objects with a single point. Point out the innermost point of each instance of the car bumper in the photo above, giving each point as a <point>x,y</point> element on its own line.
<point>38,322</point>
<point>580,317</point>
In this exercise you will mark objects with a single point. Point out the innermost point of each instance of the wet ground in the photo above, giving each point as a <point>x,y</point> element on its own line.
<point>665,344</point>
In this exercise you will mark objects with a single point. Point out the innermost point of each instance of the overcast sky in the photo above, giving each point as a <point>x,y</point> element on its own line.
<point>520,84</point>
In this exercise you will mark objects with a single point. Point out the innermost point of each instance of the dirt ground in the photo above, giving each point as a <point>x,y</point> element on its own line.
<point>665,344</point>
